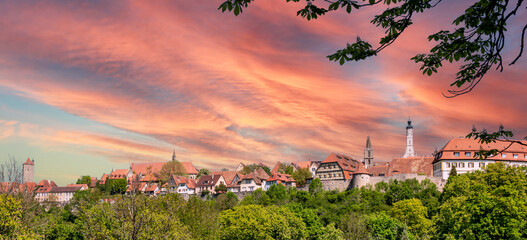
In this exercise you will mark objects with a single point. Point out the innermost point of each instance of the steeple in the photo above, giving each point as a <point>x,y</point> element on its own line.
<point>409,140</point>
<point>174,155</point>
<point>368,154</point>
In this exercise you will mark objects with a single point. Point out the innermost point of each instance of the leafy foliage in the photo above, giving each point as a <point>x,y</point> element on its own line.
<point>301,175</point>
<point>477,41</point>
<point>84,180</point>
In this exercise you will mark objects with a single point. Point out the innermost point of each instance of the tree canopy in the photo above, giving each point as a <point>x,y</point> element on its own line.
<point>477,41</point>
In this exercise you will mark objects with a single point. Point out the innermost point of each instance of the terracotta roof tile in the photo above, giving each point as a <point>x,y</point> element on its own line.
<point>419,165</point>
<point>463,145</point>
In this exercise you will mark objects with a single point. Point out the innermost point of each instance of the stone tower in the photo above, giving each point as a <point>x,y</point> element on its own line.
<point>368,154</point>
<point>27,169</point>
<point>409,140</point>
<point>361,177</point>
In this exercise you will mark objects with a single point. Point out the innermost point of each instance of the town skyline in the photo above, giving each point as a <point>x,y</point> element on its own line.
<point>85,88</point>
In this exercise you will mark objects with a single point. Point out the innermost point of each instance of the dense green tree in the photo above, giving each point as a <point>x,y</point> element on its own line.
<point>382,226</point>
<point>173,167</point>
<point>315,186</point>
<point>115,186</point>
<point>301,175</point>
<point>84,180</point>
<point>277,194</point>
<point>414,215</point>
<point>226,201</point>
<point>203,172</point>
<point>286,168</point>
<point>254,222</point>
<point>253,167</point>
<point>222,188</point>
<point>489,204</point>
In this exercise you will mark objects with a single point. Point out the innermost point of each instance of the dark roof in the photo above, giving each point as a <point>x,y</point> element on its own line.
<point>64,189</point>
<point>209,180</point>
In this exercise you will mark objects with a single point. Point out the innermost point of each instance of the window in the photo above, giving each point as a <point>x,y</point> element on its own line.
<point>515,155</point>
<point>503,155</point>
<point>461,165</point>
<point>456,154</point>
<point>448,165</point>
<point>481,164</point>
<point>470,164</point>
<point>467,154</point>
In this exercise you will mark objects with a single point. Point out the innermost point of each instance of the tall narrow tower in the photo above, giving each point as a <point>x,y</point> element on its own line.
<point>368,154</point>
<point>27,174</point>
<point>409,140</point>
<point>174,155</point>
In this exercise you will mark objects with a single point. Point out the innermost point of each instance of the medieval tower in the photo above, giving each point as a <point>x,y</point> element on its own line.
<point>27,174</point>
<point>409,140</point>
<point>368,154</point>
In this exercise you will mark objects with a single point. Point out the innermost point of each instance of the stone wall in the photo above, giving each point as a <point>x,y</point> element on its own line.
<point>438,181</point>
<point>340,185</point>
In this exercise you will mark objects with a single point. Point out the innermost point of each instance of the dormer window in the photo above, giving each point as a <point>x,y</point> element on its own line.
<point>503,155</point>
<point>467,154</point>
<point>515,155</point>
<point>456,154</point>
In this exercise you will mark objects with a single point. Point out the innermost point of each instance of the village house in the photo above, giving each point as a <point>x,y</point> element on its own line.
<point>231,178</point>
<point>182,185</point>
<point>60,195</point>
<point>279,178</point>
<point>462,153</point>
<point>254,180</point>
<point>209,183</point>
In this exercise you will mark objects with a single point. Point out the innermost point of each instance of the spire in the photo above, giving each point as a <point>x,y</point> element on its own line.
<point>174,155</point>
<point>368,142</point>
<point>409,123</point>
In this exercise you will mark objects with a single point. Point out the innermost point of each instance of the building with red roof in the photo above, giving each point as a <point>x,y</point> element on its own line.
<point>279,178</point>
<point>462,153</point>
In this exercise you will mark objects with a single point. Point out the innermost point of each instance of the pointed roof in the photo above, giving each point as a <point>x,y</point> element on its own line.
<point>368,142</point>
<point>174,155</point>
<point>360,169</point>
<point>29,162</point>
<point>409,123</point>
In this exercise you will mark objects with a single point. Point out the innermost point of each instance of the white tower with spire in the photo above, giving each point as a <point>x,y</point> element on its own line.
<point>409,140</point>
<point>368,154</point>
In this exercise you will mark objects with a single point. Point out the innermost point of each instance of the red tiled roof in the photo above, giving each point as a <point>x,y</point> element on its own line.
<point>47,183</point>
<point>154,167</point>
<point>85,186</point>
<point>151,187</point>
<point>463,145</point>
<point>209,180</point>
<point>64,189</point>
<point>118,174</point>
<point>280,178</point>
<point>28,162</point>
<point>6,187</point>
<point>345,162</point>
<point>303,164</point>
<point>103,179</point>
<point>378,170</point>
<point>93,182</point>
<point>419,165</point>
<point>360,169</point>
<point>276,167</point>
<point>191,183</point>
<point>189,168</point>
<point>227,175</point>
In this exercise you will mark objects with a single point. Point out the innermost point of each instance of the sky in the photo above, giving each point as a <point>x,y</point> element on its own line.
<point>87,86</point>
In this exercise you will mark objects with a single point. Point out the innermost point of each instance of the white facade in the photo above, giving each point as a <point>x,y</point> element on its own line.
<point>248,185</point>
<point>462,154</point>
<point>409,140</point>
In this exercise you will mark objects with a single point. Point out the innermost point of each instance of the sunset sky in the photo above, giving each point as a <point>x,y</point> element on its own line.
<point>87,86</point>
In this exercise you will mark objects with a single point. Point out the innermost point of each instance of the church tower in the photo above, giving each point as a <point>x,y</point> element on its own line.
<point>409,140</point>
<point>174,155</point>
<point>368,154</point>
<point>27,174</point>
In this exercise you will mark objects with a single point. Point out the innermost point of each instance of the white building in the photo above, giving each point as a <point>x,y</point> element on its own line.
<point>462,154</point>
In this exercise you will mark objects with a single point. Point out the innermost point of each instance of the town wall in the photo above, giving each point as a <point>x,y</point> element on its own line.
<point>438,181</point>
<point>340,185</point>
